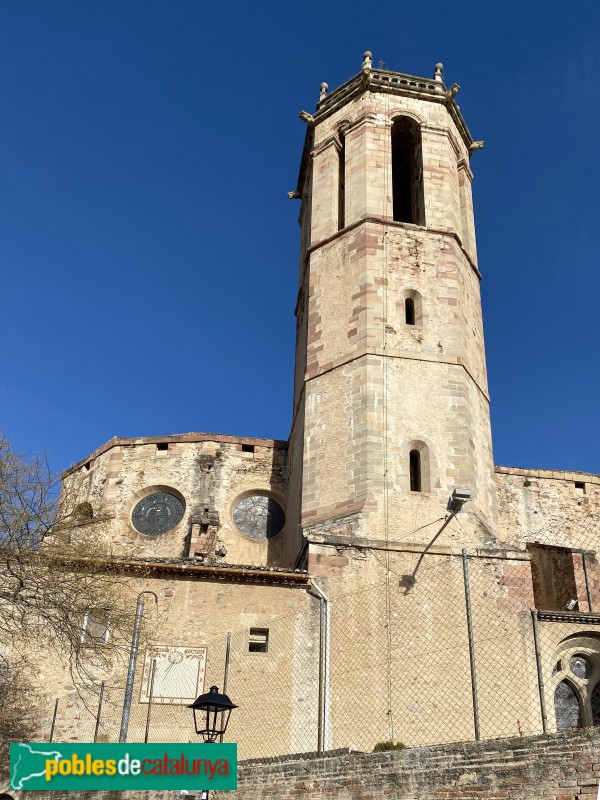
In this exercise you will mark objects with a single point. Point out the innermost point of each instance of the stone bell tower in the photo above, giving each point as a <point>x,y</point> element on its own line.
<point>391,405</point>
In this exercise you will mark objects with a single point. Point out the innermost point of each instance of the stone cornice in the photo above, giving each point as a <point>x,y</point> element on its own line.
<point>582,618</point>
<point>548,474</point>
<point>228,572</point>
<point>187,438</point>
<point>390,223</point>
<point>331,141</point>
<point>341,540</point>
<point>408,355</point>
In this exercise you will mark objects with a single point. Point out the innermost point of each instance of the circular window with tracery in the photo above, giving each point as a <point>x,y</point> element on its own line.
<point>158,513</point>
<point>259,517</point>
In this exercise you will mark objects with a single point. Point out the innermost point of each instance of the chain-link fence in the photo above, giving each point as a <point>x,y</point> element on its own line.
<point>440,646</point>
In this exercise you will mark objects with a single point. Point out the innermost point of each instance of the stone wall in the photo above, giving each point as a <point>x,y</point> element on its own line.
<point>210,473</point>
<point>193,615</point>
<point>551,507</point>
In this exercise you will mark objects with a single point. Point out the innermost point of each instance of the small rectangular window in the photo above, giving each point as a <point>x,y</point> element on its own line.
<point>259,640</point>
<point>162,446</point>
<point>580,487</point>
<point>247,448</point>
<point>96,627</point>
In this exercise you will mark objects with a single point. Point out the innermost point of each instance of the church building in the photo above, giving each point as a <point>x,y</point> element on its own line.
<point>375,577</point>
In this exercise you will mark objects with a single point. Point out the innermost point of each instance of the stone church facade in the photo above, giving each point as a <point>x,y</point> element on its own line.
<point>356,619</point>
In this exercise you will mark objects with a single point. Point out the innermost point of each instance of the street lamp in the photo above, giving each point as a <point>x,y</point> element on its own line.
<point>211,715</point>
<point>211,710</point>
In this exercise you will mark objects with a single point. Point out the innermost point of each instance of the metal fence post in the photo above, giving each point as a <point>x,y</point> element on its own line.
<point>471,645</point>
<point>587,583</point>
<point>150,698</point>
<point>139,613</point>
<point>53,720</point>
<point>227,657</point>
<point>538,661</point>
<point>226,670</point>
<point>324,662</point>
<point>99,710</point>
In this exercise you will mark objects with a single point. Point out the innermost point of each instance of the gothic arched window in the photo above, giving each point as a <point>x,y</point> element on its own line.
<point>566,707</point>
<point>576,683</point>
<point>407,172</point>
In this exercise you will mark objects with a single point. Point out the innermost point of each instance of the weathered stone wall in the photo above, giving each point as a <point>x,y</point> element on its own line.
<point>210,473</point>
<point>552,507</point>
<point>194,611</point>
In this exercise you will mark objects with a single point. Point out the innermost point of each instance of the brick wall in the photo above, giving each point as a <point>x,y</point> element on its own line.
<point>555,767</point>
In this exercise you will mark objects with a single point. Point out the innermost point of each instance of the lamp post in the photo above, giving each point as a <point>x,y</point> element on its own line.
<point>211,716</point>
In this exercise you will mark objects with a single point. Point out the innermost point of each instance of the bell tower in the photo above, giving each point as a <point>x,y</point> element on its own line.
<point>391,405</point>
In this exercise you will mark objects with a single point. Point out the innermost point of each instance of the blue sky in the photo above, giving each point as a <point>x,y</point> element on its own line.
<point>148,250</point>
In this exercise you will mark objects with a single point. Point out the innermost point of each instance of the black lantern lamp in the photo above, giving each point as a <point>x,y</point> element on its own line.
<point>211,714</point>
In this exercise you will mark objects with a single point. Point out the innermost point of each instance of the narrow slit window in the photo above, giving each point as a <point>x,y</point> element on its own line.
<point>342,183</point>
<point>259,640</point>
<point>415,471</point>
<point>409,311</point>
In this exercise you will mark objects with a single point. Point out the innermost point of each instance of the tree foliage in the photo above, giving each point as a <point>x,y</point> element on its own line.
<point>59,589</point>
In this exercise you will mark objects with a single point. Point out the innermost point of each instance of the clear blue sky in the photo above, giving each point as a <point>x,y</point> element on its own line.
<point>148,249</point>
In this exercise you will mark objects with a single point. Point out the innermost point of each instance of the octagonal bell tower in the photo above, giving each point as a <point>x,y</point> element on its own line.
<point>391,405</point>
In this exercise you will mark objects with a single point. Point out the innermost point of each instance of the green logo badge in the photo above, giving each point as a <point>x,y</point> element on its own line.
<point>79,767</point>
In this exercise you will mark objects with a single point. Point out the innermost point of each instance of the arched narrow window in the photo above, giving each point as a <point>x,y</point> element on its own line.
<point>415,471</point>
<point>407,169</point>
<point>410,308</point>
<point>566,706</point>
<point>342,182</point>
